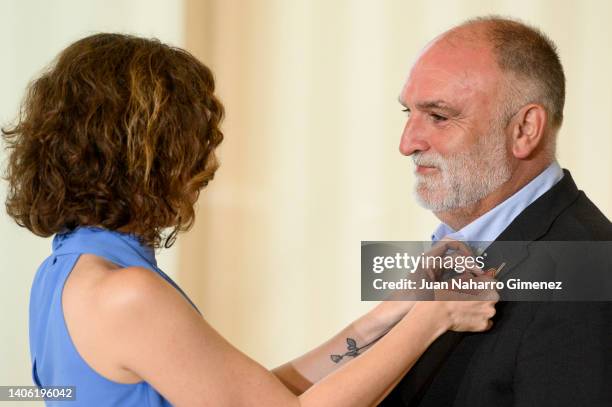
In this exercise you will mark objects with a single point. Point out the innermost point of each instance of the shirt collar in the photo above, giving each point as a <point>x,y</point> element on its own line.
<point>489,226</point>
<point>93,236</point>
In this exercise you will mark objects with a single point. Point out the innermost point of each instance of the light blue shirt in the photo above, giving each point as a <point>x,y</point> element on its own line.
<point>489,226</point>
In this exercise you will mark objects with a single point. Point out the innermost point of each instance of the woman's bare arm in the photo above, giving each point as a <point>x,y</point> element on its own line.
<point>152,331</point>
<point>301,373</point>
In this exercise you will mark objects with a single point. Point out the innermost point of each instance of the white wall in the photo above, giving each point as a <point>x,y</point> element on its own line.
<point>31,34</point>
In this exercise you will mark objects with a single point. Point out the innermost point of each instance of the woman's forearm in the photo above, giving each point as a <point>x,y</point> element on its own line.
<point>301,373</point>
<point>365,380</point>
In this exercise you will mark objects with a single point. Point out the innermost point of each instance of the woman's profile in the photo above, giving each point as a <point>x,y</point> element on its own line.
<point>114,142</point>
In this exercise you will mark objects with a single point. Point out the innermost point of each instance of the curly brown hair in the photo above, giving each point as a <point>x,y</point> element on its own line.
<point>118,133</point>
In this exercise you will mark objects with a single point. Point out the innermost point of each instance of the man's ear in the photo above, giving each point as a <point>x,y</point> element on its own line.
<point>527,129</point>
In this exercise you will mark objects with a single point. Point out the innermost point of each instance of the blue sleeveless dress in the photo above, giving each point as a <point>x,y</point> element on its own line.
<point>55,360</point>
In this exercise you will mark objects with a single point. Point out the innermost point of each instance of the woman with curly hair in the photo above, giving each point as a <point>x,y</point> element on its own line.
<point>113,145</point>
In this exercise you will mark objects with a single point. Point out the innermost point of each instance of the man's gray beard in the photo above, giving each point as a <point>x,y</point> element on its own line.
<point>463,178</point>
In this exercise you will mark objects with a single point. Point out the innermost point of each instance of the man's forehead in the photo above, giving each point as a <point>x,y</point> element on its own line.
<point>447,69</point>
<point>435,83</point>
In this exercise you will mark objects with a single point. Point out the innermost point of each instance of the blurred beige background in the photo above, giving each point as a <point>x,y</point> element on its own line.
<point>310,162</point>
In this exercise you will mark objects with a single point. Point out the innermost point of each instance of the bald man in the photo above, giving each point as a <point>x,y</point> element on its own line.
<point>485,103</point>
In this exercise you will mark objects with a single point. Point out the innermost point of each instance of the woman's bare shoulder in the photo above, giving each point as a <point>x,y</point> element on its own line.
<point>97,283</point>
<point>105,303</point>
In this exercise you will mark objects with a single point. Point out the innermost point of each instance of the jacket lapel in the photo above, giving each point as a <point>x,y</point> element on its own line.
<point>532,224</point>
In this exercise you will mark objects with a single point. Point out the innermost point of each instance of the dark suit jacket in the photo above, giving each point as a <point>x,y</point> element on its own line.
<point>537,354</point>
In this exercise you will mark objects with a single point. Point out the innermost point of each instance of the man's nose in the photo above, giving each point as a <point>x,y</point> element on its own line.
<point>413,138</point>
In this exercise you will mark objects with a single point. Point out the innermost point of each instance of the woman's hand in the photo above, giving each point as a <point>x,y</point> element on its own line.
<point>398,304</point>
<point>461,311</point>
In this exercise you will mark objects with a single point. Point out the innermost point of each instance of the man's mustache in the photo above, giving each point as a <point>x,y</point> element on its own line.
<point>429,160</point>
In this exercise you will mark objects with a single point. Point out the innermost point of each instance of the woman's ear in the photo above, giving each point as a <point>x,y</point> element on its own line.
<point>527,129</point>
